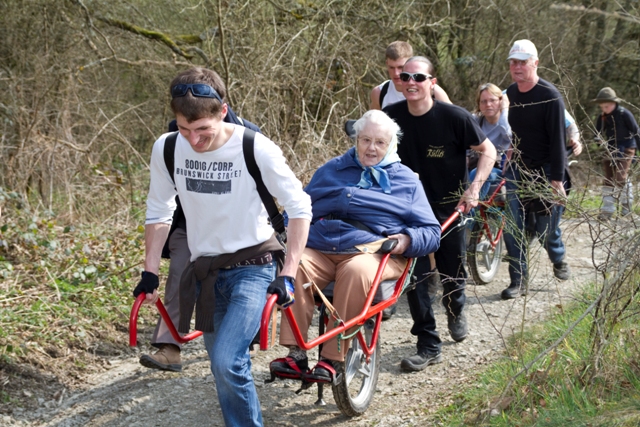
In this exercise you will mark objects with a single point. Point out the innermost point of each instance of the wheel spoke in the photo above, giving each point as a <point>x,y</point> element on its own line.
<point>481,252</point>
<point>354,356</point>
<point>484,258</point>
<point>487,257</point>
<point>365,369</point>
<point>354,394</point>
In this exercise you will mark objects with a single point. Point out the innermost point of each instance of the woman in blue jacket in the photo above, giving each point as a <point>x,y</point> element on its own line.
<point>359,200</point>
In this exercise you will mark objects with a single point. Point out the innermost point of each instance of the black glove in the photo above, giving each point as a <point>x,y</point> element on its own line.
<point>147,284</point>
<point>283,286</point>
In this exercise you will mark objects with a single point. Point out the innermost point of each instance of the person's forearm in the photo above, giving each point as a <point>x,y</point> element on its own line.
<point>557,141</point>
<point>441,95</point>
<point>374,101</point>
<point>487,159</point>
<point>485,165</point>
<point>155,235</point>
<point>573,132</point>
<point>297,233</point>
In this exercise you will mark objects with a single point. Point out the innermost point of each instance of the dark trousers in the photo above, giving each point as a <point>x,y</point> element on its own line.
<point>449,260</point>
<point>180,255</point>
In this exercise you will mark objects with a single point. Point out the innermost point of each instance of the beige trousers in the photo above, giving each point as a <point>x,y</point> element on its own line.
<point>353,274</point>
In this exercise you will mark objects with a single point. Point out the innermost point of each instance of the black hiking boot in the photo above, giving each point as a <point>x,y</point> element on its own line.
<point>513,291</point>
<point>420,360</point>
<point>457,326</point>
<point>562,271</point>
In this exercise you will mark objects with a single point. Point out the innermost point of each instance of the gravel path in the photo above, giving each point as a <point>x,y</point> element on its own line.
<point>127,394</point>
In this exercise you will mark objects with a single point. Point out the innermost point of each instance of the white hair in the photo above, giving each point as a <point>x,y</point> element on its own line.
<point>379,118</point>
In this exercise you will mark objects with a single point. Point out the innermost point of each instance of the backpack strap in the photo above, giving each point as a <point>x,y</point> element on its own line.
<point>169,161</point>
<point>383,91</point>
<point>276,218</point>
<point>169,153</point>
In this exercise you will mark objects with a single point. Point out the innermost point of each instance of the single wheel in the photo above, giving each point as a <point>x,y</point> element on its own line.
<point>483,259</point>
<point>354,393</point>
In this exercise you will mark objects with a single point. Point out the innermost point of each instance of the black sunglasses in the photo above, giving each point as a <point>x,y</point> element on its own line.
<point>200,90</point>
<point>417,77</point>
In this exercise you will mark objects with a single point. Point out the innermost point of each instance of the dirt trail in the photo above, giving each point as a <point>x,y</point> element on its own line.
<point>127,394</point>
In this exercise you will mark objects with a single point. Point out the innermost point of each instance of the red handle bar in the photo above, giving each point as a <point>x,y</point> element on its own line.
<point>366,313</point>
<point>451,219</point>
<point>133,323</point>
<point>264,323</point>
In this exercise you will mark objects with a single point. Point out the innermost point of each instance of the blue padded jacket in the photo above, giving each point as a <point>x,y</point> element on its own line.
<point>334,194</point>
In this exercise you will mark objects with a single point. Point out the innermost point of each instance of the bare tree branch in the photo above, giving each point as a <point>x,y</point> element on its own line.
<point>582,9</point>
<point>140,63</point>
<point>150,34</point>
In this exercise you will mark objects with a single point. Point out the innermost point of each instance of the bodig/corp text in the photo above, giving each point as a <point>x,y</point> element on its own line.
<point>208,170</point>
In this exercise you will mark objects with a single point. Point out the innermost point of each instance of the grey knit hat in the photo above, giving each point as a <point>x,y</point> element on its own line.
<point>606,94</point>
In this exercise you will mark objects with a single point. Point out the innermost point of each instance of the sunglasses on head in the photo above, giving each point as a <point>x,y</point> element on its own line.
<point>417,77</point>
<point>200,90</point>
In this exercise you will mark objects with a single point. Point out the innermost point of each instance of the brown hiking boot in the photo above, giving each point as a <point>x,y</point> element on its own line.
<point>165,359</point>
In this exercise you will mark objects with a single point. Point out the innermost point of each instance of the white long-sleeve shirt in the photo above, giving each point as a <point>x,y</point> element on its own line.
<point>221,204</point>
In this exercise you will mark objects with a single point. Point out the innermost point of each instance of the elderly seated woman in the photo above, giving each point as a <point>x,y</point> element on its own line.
<point>359,200</point>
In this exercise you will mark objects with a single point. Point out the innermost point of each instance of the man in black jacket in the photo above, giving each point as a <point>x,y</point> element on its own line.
<point>536,116</point>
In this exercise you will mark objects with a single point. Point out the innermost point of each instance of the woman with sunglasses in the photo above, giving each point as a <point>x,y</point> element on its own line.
<point>390,91</point>
<point>435,140</point>
<point>359,200</point>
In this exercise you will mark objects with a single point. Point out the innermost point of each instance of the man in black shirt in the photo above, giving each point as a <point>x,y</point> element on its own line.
<point>435,139</point>
<point>536,116</point>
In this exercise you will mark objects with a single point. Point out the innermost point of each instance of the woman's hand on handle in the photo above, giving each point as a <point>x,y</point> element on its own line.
<point>403,243</point>
<point>469,199</point>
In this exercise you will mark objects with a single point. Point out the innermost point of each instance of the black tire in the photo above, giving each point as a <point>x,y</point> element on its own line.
<point>482,259</point>
<point>354,393</point>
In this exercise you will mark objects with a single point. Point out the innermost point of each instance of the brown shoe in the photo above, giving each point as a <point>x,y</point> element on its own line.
<point>165,359</point>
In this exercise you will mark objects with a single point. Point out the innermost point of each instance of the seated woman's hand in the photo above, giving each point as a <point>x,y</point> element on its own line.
<point>403,243</point>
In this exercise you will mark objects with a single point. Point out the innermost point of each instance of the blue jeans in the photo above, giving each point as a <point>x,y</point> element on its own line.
<point>547,230</point>
<point>240,297</point>
<point>494,178</point>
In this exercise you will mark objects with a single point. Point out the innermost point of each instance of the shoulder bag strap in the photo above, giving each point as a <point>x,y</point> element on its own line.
<point>276,218</point>
<point>169,153</point>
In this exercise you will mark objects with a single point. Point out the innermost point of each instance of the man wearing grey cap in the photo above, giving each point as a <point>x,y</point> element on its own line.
<point>536,116</point>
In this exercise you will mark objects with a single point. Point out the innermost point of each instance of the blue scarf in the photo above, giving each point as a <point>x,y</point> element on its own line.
<point>377,173</point>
